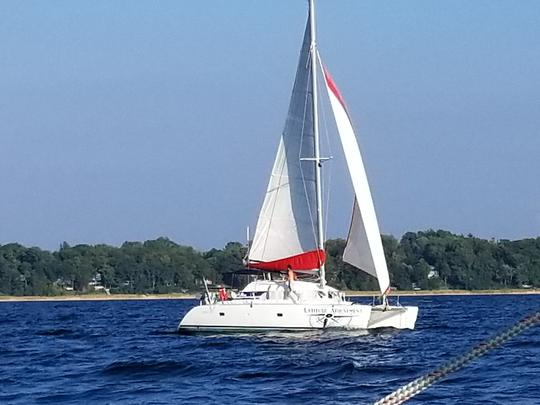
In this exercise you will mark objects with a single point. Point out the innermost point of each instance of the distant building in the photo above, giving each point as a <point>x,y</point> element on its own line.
<point>433,274</point>
<point>95,283</point>
<point>64,284</point>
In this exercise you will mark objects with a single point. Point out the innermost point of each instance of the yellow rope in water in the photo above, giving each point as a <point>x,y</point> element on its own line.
<point>422,383</point>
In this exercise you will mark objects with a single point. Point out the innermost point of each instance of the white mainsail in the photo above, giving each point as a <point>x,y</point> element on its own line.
<point>364,248</point>
<point>285,235</point>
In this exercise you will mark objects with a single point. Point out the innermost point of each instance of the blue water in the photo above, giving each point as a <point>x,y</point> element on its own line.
<point>128,352</point>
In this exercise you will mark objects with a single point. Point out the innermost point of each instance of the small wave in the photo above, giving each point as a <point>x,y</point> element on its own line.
<point>216,344</point>
<point>164,332</point>
<point>66,316</point>
<point>260,374</point>
<point>343,369</point>
<point>131,368</point>
<point>386,332</point>
<point>54,398</point>
<point>524,344</point>
<point>55,332</point>
<point>5,321</point>
<point>349,367</point>
<point>8,380</point>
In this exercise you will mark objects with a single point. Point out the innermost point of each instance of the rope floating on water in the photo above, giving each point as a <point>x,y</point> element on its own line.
<point>422,383</point>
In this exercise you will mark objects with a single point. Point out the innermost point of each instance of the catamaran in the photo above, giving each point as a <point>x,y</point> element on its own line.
<point>287,250</point>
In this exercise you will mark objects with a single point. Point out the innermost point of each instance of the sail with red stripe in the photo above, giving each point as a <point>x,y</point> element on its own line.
<point>285,236</point>
<point>364,248</point>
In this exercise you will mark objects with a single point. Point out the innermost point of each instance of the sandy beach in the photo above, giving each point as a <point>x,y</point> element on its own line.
<point>98,297</point>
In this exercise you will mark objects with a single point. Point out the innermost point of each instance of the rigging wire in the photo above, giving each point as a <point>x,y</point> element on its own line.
<point>329,147</point>
<point>420,384</point>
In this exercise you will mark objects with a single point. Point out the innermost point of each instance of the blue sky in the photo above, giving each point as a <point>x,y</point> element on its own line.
<point>128,120</point>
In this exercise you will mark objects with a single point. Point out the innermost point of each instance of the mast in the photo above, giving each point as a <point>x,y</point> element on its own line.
<point>318,161</point>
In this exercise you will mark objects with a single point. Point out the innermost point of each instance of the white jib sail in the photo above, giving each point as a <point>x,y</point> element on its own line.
<point>286,222</point>
<point>364,248</point>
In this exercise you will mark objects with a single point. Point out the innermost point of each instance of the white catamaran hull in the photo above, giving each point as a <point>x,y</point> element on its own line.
<point>233,316</point>
<point>397,317</point>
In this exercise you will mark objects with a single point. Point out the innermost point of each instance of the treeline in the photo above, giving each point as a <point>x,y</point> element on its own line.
<point>421,260</point>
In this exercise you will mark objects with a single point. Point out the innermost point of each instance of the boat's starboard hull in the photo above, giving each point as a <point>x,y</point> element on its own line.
<point>396,317</point>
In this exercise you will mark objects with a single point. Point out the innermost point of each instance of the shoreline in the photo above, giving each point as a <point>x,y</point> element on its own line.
<point>430,293</point>
<point>96,297</point>
<point>186,296</point>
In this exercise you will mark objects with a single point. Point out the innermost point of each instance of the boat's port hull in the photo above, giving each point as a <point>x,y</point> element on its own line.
<point>196,330</point>
<point>229,316</point>
<point>396,317</point>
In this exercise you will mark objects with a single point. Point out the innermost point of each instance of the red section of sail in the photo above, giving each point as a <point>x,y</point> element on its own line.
<point>304,261</point>
<point>333,88</point>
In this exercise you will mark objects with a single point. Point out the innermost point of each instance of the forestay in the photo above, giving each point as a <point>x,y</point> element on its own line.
<point>285,235</point>
<point>364,248</point>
